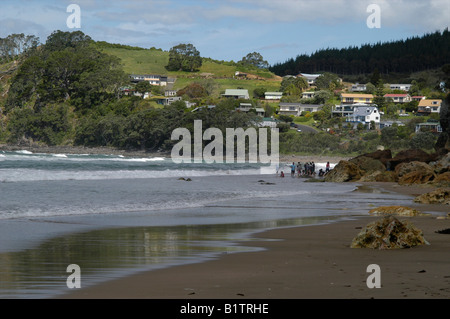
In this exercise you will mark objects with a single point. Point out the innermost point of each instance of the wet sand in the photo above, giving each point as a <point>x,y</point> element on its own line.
<point>313,262</point>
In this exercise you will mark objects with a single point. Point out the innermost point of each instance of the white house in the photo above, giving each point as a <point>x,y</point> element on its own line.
<point>296,109</point>
<point>398,98</point>
<point>273,95</point>
<point>358,87</point>
<point>365,115</point>
<point>403,87</point>
<point>236,94</point>
<point>246,107</point>
<point>153,79</point>
<point>310,78</point>
<point>308,95</point>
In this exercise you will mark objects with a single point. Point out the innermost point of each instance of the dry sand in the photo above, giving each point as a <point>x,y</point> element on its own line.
<point>303,262</point>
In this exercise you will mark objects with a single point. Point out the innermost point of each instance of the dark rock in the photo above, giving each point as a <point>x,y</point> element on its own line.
<point>411,156</point>
<point>382,155</point>
<point>368,164</point>
<point>344,171</point>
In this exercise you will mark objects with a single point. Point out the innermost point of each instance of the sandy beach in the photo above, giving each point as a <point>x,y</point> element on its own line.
<point>313,262</point>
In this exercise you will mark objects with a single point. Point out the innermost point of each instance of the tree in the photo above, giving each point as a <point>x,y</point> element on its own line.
<point>254,59</point>
<point>259,92</point>
<point>299,83</point>
<point>379,99</point>
<point>59,40</point>
<point>184,57</point>
<point>324,81</point>
<point>143,87</point>
<point>285,118</point>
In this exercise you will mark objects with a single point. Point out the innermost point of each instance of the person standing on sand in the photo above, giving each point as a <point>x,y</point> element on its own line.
<point>293,169</point>
<point>327,168</point>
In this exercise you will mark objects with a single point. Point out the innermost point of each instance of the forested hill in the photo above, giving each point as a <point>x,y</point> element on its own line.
<point>405,56</point>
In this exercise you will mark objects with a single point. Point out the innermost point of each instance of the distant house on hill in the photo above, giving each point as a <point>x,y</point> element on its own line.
<point>246,107</point>
<point>403,87</point>
<point>310,78</point>
<point>427,107</point>
<point>296,109</point>
<point>365,115</point>
<point>308,95</point>
<point>358,87</point>
<point>236,94</point>
<point>153,79</point>
<point>418,98</point>
<point>273,95</point>
<point>349,98</point>
<point>434,127</point>
<point>398,98</point>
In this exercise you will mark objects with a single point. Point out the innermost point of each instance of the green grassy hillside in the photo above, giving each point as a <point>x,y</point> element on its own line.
<point>153,61</point>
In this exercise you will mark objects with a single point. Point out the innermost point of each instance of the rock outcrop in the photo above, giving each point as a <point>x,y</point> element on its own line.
<point>438,196</point>
<point>395,210</point>
<point>411,155</point>
<point>368,164</point>
<point>344,171</point>
<point>389,233</point>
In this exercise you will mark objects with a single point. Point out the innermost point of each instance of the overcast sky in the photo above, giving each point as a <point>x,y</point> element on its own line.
<point>229,29</point>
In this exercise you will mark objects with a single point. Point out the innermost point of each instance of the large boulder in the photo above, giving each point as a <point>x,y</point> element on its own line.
<point>389,233</point>
<point>368,164</point>
<point>414,173</point>
<point>438,196</point>
<point>395,210</point>
<point>344,171</point>
<point>442,165</point>
<point>410,156</point>
<point>442,180</point>
<point>382,155</point>
<point>380,176</point>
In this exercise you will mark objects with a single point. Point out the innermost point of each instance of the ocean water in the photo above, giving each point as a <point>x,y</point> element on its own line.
<point>115,215</point>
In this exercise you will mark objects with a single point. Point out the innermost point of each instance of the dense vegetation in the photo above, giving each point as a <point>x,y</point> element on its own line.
<point>403,56</point>
<point>69,91</point>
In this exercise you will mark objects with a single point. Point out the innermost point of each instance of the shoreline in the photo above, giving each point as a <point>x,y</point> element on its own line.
<point>312,262</point>
<point>283,158</point>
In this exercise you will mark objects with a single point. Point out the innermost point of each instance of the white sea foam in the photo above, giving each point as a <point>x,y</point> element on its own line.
<point>24,152</point>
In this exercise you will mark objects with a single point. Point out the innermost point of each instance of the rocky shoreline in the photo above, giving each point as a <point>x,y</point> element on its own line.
<point>408,168</point>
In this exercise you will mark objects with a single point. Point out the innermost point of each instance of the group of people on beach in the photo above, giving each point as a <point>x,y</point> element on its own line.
<point>308,169</point>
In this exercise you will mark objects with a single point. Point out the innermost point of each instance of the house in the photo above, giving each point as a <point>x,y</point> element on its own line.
<point>353,98</point>
<point>403,87</point>
<point>273,95</point>
<point>308,95</point>
<point>365,115</point>
<point>269,122</point>
<point>246,107</point>
<point>236,94</point>
<point>418,98</point>
<point>358,87</point>
<point>434,127</point>
<point>310,78</point>
<point>296,109</point>
<point>153,79</point>
<point>390,123</point>
<point>429,106</point>
<point>170,93</point>
<point>344,110</point>
<point>168,100</point>
<point>398,98</point>
<point>209,107</point>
